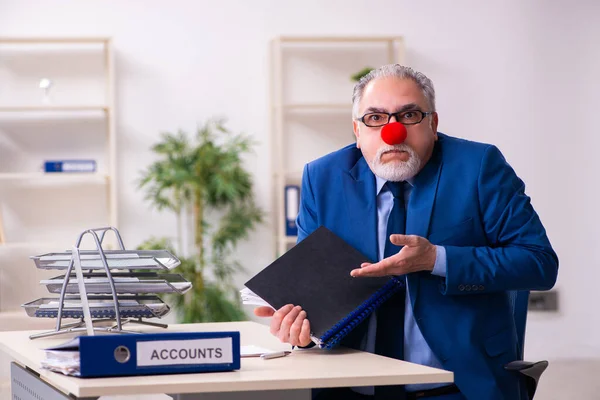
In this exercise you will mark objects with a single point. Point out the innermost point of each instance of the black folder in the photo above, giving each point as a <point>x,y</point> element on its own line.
<point>315,274</point>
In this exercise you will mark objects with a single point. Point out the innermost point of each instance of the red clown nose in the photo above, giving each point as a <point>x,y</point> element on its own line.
<point>393,133</point>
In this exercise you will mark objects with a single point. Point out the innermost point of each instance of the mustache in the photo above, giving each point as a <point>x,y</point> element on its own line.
<point>395,147</point>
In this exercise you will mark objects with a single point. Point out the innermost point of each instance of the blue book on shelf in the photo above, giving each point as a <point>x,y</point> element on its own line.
<point>148,354</point>
<point>70,166</point>
<point>292,203</point>
<point>315,274</point>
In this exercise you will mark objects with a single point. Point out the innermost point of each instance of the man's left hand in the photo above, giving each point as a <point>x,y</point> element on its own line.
<point>418,254</point>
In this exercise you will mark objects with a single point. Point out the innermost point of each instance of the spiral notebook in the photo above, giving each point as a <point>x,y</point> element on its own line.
<point>315,274</point>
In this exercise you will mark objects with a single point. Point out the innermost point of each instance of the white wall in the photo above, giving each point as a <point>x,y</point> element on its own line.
<point>520,74</point>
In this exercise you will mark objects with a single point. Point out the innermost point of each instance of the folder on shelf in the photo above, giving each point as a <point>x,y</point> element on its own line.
<point>315,274</point>
<point>70,166</point>
<point>145,354</point>
<point>292,202</point>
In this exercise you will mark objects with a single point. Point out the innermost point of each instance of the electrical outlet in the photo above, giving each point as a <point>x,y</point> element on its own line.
<point>543,301</point>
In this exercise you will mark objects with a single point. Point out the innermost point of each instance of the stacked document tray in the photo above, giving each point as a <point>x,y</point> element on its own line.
<point>100,307</point>
<point>124,283</point>
<point>99,285</point>
<point>161,260</point>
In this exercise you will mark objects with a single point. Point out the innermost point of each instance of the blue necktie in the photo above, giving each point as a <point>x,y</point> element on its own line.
<point>397,220</point>
<point>389,340</point>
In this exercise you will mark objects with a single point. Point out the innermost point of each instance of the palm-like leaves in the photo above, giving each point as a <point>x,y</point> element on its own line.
<point>167,180</point>
<point>206,172</point>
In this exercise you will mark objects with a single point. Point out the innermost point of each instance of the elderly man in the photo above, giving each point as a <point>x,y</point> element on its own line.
<point>448,215</point>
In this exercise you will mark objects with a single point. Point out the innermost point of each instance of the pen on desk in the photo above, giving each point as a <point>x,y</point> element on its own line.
<point>275,354</point>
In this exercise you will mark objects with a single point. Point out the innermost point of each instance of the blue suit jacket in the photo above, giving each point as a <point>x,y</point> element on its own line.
<point>469,200</point>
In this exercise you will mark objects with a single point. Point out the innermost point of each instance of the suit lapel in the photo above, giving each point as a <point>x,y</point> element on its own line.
<point>362,208</point>
<point>420,207</point>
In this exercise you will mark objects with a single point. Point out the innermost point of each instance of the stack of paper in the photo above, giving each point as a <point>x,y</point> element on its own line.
<point>63,358</point>
<point>249,297</point>
<point>164,283</point>
<point>100,307</point>
<point>105,304</point>
<point>118,259</point>
<point>254,351</point>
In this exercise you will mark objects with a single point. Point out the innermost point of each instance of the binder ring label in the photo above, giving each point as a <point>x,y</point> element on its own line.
<point>122,354</point>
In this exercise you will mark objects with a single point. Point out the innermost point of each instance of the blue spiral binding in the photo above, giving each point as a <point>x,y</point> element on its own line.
<point>334,335</point>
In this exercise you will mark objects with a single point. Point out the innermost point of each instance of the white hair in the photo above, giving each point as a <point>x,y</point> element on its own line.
<point>398,71</point>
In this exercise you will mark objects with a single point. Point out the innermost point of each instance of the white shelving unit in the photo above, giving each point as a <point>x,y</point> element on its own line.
<point>74,119</point>
<point>311,107</point>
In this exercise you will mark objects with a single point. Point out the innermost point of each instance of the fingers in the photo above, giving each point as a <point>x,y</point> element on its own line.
<point>298,331</point>
<point>305,333</point>
<point>405,240</point>
<point>286,324</point>
<point>289,324</point>
<point>264,311</point>
<point>418,254</point>
<point>278,317</point>
<point>283,320</point>
<point>382,268</point>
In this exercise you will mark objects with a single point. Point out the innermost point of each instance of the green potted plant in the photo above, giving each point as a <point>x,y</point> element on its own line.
<point>356,77</point>
<point>202,178</point>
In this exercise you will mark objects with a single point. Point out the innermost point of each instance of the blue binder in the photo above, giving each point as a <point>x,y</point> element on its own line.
<point>292,202</point>
<point>70,166</point>
<point>157,353</point>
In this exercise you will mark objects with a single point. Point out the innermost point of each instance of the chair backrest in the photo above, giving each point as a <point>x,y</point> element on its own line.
<point>519,300</point>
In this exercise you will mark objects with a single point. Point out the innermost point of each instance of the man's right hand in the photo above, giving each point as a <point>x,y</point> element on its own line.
<point>289,324</point>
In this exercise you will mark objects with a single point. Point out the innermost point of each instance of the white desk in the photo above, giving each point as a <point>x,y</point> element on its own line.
<point>303,369</point>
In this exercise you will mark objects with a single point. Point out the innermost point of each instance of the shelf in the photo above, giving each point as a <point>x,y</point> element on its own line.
<point>319,108</point>
<point>310,106</point>
<point>58,176</point>
<point>57,40</point>
<point>336,39</point>
<point>33,114</point>
<point>13,109</point>
<point>74,119</point>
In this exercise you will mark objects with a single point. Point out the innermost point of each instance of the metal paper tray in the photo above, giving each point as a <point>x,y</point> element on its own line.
<point>100,307</point>
<point>124,283</point>
<point>116,259</point>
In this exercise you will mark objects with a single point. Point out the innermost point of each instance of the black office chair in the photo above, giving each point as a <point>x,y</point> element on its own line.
<point>530,371</point>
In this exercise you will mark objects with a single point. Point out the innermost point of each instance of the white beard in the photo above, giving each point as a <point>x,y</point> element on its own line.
<point>396,171</point>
